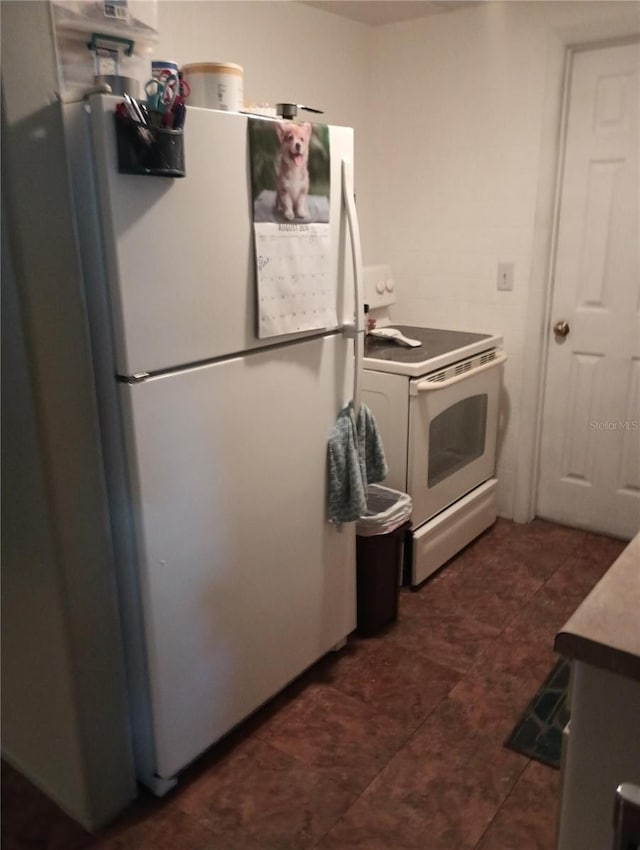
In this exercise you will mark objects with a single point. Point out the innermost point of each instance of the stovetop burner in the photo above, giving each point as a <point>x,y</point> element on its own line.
<point>439,348</point>
<point>434,343</point>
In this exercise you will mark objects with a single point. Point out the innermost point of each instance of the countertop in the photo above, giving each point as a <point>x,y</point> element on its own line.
<point>605,629</point>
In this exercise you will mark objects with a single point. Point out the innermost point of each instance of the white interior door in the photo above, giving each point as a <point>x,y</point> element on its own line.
<point>590,450</point>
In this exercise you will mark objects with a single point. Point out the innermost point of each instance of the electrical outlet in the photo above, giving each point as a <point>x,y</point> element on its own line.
<point>505,277</point>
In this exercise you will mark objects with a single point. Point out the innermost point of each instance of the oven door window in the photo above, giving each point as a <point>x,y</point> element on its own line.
<point>456,438</point>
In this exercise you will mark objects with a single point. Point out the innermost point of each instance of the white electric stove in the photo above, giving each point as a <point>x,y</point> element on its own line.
<point>436,406</point>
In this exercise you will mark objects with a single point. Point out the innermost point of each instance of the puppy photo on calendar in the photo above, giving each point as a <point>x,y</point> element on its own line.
<point>290,172</point>
<point>292,185</point>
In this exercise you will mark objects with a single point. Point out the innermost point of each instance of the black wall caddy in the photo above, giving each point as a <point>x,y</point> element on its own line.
<point>149,142</point>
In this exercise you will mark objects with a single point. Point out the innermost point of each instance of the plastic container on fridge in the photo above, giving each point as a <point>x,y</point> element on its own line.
<point>130,25</point>
<point>215,85</point>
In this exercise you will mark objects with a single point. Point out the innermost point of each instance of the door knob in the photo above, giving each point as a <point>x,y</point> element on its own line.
<point>561,328</point>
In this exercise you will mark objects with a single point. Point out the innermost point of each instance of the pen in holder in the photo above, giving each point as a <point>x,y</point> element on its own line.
<point>145,144</point>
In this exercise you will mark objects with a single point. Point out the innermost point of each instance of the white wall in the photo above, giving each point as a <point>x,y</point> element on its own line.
<point>290,54</point>
<point>456,132</point>
<point>461,130</point>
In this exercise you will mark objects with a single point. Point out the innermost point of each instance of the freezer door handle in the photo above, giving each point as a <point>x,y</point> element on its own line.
<point>357,330</point>
<point>350,331</point>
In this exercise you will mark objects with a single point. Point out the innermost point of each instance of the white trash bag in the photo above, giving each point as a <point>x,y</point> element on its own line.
<point>387,509</point>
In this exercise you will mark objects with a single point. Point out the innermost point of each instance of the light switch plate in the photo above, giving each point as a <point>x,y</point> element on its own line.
<point>505,277</point>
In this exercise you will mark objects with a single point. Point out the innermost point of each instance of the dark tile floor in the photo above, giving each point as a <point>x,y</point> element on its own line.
<point>392,744</point>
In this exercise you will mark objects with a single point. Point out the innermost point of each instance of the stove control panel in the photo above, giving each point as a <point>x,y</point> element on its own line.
<point>379,286</point>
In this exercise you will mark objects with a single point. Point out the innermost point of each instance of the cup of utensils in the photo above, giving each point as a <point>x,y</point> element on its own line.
<point>148,140</point>
<point>149,132</point>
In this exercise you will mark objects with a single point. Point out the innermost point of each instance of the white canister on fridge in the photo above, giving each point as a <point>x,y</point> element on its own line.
<point>215,85</point>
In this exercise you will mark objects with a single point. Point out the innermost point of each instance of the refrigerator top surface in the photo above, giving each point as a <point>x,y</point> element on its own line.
<point>439,348</point>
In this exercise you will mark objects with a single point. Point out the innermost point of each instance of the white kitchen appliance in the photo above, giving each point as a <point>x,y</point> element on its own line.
<point>436,406</point>
<point>231,580</point>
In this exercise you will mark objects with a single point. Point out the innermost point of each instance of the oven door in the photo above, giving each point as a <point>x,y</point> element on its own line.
<point>453,424</point>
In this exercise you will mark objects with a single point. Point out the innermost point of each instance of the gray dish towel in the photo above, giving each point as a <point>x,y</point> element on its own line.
<point>355,459</point>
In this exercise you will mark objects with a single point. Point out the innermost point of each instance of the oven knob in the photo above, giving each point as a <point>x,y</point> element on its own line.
<point>390,285</point>
<point>380,287</point>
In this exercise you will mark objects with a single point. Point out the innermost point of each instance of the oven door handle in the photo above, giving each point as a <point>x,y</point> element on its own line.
<point>416,387</point>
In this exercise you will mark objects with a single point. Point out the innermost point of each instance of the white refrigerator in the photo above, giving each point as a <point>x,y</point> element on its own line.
<point>231,580</point>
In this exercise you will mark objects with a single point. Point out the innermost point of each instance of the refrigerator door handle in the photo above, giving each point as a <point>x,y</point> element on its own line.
<point>356,252</point>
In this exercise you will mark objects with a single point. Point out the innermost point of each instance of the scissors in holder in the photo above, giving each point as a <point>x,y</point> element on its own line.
<point>175,119</point>
<point>161,93</point>
<point>184,90</point>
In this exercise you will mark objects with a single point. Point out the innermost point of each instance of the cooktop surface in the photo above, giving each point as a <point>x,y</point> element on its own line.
<point>439,348</point>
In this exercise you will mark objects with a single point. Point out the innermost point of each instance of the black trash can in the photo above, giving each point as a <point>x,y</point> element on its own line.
<point>380,538</point>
